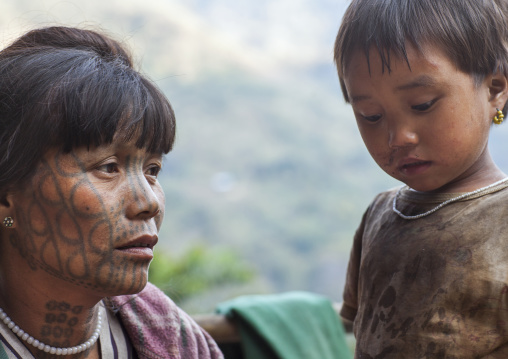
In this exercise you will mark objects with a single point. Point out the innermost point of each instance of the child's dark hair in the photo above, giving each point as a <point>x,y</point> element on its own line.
<point>63,88</point>
<point>472,33</point>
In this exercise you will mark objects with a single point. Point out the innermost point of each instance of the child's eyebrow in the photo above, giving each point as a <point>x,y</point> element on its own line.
<point>421,81</point>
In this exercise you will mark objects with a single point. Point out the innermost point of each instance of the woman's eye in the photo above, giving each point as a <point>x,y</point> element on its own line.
<point>153,171</point>
<point>424,106</point>
<point>108,167</point>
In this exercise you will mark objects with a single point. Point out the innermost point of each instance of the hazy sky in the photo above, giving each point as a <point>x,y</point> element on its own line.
<point>272,35</point>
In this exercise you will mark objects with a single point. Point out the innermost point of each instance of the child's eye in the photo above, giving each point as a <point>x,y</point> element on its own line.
<point>372,119</point>
<point>111,167</point>
<point>424,106</point>
<point>153,170</point>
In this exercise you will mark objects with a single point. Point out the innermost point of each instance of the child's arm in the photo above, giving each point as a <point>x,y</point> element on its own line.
<point>350,304</point>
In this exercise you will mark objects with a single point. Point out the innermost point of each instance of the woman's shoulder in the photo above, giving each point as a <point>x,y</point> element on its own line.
<point>158,328</point>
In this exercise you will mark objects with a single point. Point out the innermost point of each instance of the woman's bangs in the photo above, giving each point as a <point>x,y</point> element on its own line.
<point>149,120</point>
<point>110,104</point>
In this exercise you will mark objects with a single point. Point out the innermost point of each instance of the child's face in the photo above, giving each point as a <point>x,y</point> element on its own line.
<point>427,126</point>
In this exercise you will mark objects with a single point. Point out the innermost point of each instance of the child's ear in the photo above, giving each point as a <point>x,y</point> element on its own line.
<point>498,90</point>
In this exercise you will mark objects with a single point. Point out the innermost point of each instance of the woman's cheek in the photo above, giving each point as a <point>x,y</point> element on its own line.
<point>36,221</point>
<point>68,228</point>
<point>85,201</point>
<point>162,207</point>
<point>49,191</point>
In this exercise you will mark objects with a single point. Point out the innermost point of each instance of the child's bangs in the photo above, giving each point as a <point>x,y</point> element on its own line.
<point>386,26</point>
<point>470,38</point>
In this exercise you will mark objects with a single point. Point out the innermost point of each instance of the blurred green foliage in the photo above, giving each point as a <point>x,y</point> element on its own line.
<point>196,271</point>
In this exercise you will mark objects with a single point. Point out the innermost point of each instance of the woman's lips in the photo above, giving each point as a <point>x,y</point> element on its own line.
<point>414,167</point>
<point>145,253</point>
<point>141,247</point>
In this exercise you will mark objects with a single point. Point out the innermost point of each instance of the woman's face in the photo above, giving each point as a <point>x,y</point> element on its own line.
<point>91,217</point>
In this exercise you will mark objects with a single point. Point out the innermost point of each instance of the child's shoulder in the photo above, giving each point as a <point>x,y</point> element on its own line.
<point>388,194</point>
<point>494,193</point>
<point>414,203</point>
<point>385,198</point>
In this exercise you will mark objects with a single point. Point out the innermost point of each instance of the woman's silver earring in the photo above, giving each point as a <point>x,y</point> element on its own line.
<point>8,222</point>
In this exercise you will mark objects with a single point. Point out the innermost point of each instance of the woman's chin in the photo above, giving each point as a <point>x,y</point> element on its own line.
<point>137,286</point>
<point>132,286</point>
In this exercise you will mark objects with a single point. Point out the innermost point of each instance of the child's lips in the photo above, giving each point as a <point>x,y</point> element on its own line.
<point>413,166</point>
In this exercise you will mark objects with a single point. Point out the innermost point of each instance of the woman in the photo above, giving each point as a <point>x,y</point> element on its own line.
<point>82,135</point>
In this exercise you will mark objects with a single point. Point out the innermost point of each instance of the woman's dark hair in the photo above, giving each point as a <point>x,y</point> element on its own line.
<point>472,33</point>
<point>63,87</point>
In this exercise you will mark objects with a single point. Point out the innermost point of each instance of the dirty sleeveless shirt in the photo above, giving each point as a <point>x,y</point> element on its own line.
<point>434,287</point>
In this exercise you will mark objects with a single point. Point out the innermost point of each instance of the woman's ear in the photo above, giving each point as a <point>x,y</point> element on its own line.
<point>498,90</point>
<point>6,211</point>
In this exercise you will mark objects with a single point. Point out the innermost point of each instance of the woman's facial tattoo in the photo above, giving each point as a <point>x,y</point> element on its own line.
<point>82,209</point>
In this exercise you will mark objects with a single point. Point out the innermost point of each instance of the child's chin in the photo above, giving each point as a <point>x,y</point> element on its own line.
<point>424,188</point>
<point>420,186</point>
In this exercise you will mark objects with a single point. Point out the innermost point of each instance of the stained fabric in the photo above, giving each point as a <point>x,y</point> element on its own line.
<point>434,287</point>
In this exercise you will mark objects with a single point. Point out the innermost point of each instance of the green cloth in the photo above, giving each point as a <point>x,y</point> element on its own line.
<point>293,325</point>
<point>3,354</point>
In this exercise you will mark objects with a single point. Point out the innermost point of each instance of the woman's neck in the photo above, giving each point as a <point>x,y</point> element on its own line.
<point>57,315</point>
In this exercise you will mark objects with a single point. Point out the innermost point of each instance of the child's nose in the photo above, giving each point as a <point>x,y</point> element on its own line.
<point>402,135</point>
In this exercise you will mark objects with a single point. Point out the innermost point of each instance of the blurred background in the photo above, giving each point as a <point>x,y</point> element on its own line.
<point>269,177</point>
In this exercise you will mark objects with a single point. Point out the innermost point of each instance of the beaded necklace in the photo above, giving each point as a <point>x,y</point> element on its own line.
<point>442,204</point>
<point>47,348</point>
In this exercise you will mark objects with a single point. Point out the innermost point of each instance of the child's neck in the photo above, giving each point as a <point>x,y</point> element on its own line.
<point>475,180</point>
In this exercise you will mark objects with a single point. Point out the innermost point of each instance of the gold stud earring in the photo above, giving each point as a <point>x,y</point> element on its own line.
<point>498,119</point>
<point>8,222</point>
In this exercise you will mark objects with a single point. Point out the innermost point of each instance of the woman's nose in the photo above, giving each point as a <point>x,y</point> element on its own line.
<point>144,202</point>
<point>402,135</point>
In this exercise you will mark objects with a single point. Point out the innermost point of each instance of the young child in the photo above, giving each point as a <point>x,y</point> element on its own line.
<point>428,273</point>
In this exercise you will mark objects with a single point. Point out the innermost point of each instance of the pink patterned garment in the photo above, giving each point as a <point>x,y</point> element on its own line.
<point>158,329</point>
